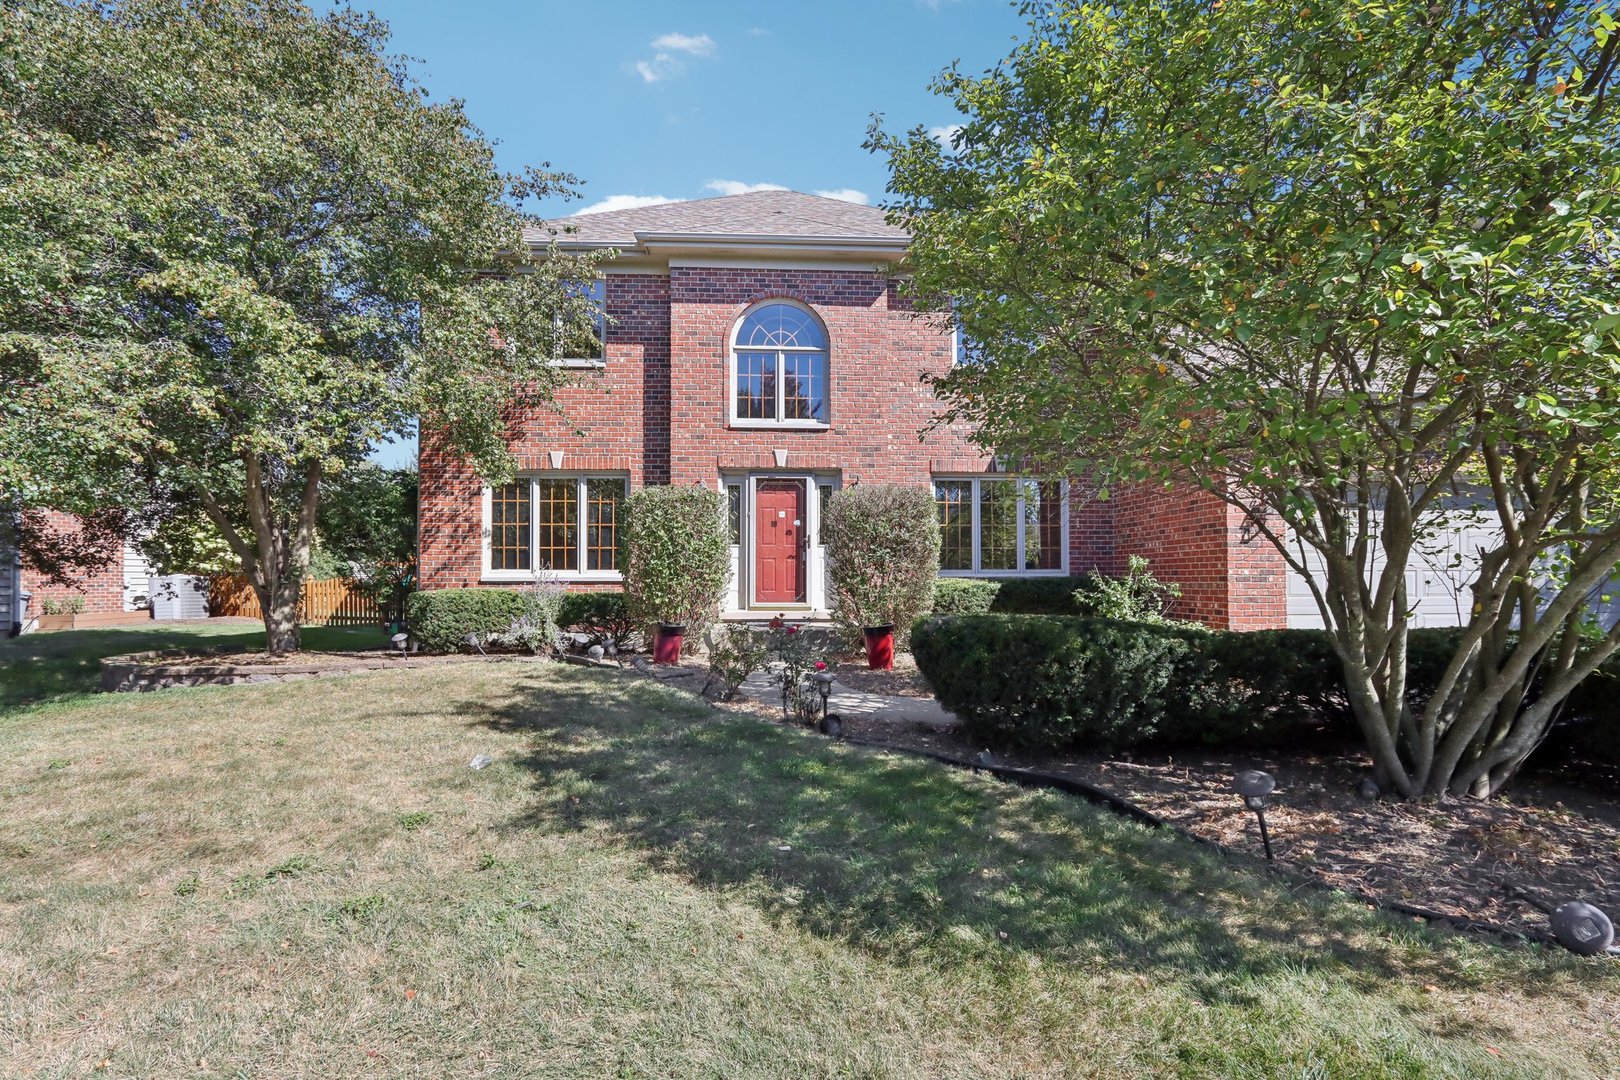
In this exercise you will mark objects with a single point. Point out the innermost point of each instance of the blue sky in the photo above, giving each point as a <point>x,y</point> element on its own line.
<point>681,100</point>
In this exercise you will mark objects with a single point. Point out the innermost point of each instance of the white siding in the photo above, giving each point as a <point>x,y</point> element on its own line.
<point>179,597</point>
<point>8,590</point>
<point>1437,578</point>
<point>137,580</point>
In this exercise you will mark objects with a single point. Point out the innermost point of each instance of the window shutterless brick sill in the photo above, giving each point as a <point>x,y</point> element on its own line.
<point>777,425</point>
<point>560,577</point>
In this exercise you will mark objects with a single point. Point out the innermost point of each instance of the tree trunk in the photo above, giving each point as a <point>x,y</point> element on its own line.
<point>277,556</point>
<point>279,605</point>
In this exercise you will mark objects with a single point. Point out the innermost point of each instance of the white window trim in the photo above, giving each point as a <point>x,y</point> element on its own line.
<point>490,575</point>
<point>1003,478</point>
<point>735,421</point>
<point>587,362</point>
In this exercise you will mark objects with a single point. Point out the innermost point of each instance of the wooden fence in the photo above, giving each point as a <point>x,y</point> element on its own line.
<point>328,602</point>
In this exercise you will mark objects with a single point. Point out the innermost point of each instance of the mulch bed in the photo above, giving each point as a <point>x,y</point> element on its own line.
<point>1453,857</point>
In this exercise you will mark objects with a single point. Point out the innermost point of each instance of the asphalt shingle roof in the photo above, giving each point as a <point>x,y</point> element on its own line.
<point>757,213</point>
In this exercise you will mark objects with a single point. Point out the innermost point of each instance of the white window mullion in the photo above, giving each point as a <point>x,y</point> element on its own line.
<point>534,525</point>
<point>975,516</point>
<point>581,508</point>
<point>1018,508</point>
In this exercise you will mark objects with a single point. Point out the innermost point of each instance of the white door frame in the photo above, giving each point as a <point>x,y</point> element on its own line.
<point>814,558</point>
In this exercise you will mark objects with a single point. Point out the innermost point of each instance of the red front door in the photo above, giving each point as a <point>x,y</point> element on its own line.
<point>778,548</point>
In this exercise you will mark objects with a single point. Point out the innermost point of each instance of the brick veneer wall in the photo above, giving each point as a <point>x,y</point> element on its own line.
<point>612,419</point>
<point>1230,578</point>
<point>659,411</point>
<point>878,405</point>
<point>102,589</point>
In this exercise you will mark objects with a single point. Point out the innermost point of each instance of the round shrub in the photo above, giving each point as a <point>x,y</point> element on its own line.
<point>675,555</point>
<point>441,619</point>
<point>882,544</point>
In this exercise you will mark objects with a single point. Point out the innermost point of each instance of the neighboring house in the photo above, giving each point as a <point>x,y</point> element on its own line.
<point>117,592</point>
<point>759,345</point>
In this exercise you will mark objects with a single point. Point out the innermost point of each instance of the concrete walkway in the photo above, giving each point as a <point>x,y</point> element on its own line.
<point>856,703</point>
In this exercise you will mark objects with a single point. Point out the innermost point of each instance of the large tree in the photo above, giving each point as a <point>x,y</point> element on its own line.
<point>1341,263</point>
<point>239,244</point>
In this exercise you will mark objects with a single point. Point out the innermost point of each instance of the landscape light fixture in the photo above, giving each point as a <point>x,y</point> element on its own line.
<point>1580,927</point>
<point>400,641</point>
<point>1255,788</point>
<point>824,683</point>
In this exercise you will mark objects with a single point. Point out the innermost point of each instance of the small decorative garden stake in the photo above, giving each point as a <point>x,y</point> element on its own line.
<point>1256,787</point>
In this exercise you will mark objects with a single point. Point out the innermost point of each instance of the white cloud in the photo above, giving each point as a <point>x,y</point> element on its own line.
<point>624,202</point>
<point>668,52</point>
<point>737,187</point>
<point>944,134</point>
<point>697,45</point>
<point>847,194</point>
<point>758,31</point>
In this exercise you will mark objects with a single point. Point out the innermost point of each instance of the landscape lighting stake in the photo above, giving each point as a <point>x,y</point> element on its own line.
<point>1256,787</point>
<point>824,681</point>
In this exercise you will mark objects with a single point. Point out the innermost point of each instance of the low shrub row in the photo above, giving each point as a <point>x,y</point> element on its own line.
<point>442,619</point>
<point>1011,596</point>
<point>603,615</point>
<point>1069,681</point>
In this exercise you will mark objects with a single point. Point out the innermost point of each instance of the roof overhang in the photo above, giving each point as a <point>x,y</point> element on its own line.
<point>663,246</point>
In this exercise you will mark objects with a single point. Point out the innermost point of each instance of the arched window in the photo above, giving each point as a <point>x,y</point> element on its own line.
<point>779,367</point>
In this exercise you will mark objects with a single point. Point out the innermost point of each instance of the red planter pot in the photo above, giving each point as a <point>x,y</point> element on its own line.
<point>880,648</point>
<point>667,643</point>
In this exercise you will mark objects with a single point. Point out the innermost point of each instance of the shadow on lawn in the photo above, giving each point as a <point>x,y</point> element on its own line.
<point>896,854</point>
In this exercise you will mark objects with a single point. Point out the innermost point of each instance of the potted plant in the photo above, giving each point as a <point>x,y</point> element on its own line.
<point>667,641</point>
<point>879,646</point>
<point>676,558</point>
<point>882,544</point>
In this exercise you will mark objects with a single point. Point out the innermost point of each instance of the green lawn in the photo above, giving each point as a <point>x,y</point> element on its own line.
<point>307,880</point>
<point>40,667</point>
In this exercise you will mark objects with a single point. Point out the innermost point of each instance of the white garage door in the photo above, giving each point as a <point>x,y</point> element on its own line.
<point>1437,576</point>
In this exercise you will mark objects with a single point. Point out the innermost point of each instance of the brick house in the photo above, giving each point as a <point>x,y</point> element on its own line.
<point>758,344</point>
<point>116,592</point>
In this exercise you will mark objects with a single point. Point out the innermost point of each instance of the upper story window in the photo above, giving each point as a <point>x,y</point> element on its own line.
<point>577,347</point>
<point>779,368</point>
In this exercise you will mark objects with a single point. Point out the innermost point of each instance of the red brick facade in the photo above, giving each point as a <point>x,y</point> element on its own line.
<point>658,412</point>
<point>101,590</point>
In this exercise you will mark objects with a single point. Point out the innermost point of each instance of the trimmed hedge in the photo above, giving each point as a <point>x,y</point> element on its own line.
<point>882,544</point>
<point>441,619</point>
<point>675,555</point>
<point>602,613</point>
<point>1053,682</point>
<point>1048,681</point>
<point>1012,596</point>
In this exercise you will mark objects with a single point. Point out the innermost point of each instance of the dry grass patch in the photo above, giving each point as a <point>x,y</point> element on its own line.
<point>308,879</point>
